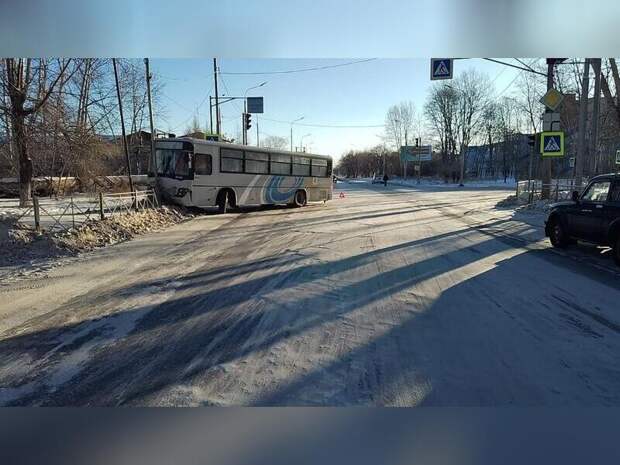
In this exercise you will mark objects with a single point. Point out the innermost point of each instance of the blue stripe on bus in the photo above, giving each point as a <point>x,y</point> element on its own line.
<point>273,194</point>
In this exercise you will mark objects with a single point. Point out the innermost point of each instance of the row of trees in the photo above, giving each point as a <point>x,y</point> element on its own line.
<point>54,111</point>
<point>468,111</point>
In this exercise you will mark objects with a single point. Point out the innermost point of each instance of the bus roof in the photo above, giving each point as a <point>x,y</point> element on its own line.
<point>240,147</point>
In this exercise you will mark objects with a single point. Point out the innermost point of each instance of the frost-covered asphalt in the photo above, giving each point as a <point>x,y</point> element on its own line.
<point>390,296</point>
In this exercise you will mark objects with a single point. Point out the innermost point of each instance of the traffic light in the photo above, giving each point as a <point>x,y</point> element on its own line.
<point>531,140</point>
<point>417,141</point>
<point>248,121</point>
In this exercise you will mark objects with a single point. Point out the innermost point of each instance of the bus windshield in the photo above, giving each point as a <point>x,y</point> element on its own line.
<point>173,160</point>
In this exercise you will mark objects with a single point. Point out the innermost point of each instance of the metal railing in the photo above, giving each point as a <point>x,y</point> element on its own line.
<point>559,189</point>
<point>64,213</point>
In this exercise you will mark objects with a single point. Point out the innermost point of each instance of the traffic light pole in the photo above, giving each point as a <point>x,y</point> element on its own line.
<point>530,194</point>
<point>244,124</point>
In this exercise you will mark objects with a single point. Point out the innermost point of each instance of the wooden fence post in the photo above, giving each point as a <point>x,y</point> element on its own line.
<point>37,217</point>
<point>101,214</point>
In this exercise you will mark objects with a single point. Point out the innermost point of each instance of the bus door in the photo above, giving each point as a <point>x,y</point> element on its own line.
<point>204,189</point>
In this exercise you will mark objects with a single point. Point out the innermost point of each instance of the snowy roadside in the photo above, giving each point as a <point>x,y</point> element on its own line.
<point>433,182</point>
<point>533,214</point>
<point>426,182</point>
<point>26,252</point>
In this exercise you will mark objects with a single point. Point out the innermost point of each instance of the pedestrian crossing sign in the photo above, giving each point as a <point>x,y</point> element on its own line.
<point>441,68</point>
<point>552,144</point>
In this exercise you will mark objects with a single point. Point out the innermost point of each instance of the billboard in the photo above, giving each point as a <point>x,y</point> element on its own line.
<point>416,153</point>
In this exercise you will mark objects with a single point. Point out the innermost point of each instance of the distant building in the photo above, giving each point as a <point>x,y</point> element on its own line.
<point>505,159</point>
<point>139,146</point>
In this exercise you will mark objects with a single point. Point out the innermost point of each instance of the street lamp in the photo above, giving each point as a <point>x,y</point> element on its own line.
<point>301,142</point>
<point>293,122</point>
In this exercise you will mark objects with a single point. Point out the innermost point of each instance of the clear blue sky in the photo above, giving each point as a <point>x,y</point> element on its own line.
<point>358,94</point>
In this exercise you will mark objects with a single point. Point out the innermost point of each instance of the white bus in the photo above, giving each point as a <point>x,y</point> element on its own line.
<point>201,173</point>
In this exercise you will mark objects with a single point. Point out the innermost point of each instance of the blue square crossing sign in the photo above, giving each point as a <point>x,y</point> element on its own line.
<point>552,144</point>
<point>441,68</point>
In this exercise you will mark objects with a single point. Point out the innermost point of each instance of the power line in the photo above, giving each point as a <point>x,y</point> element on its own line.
<point>514,79</point>
<point>175,102</point>
<point>300,70</point>
<point>330,126</point>
<point>194,112</point>
<point>530,70</point>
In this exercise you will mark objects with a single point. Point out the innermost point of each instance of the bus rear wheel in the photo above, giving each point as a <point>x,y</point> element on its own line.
<point>225,200</point>
<point>300,199</point>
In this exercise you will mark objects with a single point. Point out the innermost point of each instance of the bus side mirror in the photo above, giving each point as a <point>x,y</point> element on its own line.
<point>575,196</point>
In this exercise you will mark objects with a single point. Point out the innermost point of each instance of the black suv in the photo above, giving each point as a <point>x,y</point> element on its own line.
<point>592,217</point>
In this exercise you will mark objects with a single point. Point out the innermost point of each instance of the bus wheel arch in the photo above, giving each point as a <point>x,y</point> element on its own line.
<point>226,199</point>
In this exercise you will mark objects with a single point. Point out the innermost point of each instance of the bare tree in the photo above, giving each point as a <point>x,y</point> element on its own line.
<point>613,101</point>
<point>473,96</point>
<point>25,100</point>
<point>440,111</point>
<point>275,142</point>
<point>401,123</point>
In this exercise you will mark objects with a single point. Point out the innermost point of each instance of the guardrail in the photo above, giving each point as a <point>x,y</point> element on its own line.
<point>64,212</point>
<point>560,189</point>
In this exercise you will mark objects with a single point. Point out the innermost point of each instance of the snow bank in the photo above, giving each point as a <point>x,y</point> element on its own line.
<point>24,248</point>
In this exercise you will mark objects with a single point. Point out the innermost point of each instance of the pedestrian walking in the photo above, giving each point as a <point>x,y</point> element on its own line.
<point>385,179</point>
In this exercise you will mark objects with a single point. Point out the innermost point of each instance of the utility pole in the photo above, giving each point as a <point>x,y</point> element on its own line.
<point>593,151</point>
<point>217,103</point>
<point>257,139</point>
<point>405,160</point>
<point>148,90</point>
<point>210,114</point>
<point>580,160</point>
<point>546,181</point>
<point>418,142</point>
<point>120,107</point>
<point>384,159</point>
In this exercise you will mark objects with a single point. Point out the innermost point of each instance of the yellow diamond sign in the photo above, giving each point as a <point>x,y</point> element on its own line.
<point>552,99</point>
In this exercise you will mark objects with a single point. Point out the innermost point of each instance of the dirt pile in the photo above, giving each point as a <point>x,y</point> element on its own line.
<point>118,228</point>
<point>510,202</point>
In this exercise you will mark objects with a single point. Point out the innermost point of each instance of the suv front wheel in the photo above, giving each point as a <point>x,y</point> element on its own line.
<point>558,235</point>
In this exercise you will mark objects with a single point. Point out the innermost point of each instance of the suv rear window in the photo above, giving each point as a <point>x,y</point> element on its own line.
<point>614,195</point>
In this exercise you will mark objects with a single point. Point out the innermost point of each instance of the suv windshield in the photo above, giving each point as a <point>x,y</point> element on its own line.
<point>597,192</point>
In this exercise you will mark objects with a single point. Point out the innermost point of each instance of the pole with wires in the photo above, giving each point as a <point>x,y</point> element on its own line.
<point>148,90</point>
<point>217,104</point>
<point>120,107</point>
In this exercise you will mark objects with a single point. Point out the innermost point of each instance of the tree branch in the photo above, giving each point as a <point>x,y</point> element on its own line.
<point>36,107</point>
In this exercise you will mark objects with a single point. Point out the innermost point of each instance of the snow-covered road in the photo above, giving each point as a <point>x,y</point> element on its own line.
<point>393,296</point>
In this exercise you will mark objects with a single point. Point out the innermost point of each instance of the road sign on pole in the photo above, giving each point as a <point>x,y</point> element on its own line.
<point>552,99</point>
<point>551,121</point>
<point>552,144</point>
<point>255,104</point>
<point>441,68</point>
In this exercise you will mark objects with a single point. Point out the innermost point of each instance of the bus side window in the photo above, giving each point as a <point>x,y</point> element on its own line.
<point>202,164</point>
<point>319,168</point>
